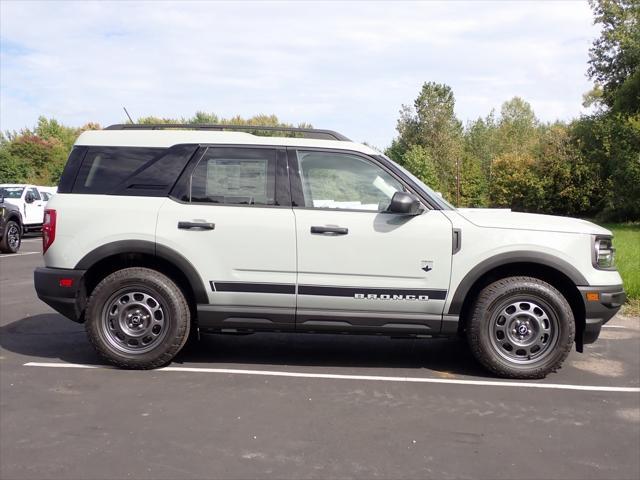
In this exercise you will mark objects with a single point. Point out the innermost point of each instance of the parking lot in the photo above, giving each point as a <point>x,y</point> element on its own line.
<point>303,406</point>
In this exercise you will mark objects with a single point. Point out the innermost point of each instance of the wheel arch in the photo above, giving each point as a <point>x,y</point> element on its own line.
<point>16,217</point>
<point>553,270</point>
<point>110,257</point>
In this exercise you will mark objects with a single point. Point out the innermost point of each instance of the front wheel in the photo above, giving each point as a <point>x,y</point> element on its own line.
<point>521,327</point>
<point>137,318</point>
<point>10,241</point>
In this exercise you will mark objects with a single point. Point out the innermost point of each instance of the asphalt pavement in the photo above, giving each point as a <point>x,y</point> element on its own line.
<point>303,406</point>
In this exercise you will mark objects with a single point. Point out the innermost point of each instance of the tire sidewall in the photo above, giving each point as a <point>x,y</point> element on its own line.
<point>164,291</point>
<point>5,240</point>
<point>490,301</point>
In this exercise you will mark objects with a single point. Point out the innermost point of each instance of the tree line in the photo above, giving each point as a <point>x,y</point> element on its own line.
<point>589,166</point>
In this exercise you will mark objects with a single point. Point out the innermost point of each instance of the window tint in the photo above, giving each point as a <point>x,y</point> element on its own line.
<point>157,178</point>
<point>343,181</point>
<point>235,176</point>
<point>35,193</point>
<point>11,192</point>
<point>103,168</point>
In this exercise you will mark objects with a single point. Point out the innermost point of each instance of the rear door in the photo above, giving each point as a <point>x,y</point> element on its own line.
<point>231,218</point>
<point>360,268</point>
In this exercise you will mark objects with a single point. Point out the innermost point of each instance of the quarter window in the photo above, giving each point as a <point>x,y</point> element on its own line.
<point>103,168</point>
<point>344,181</point>
<point>235,176</point>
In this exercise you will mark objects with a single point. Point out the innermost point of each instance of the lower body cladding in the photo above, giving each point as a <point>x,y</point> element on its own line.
<point>63,290</point>
<point>601,304</point>
<point>234,317</point>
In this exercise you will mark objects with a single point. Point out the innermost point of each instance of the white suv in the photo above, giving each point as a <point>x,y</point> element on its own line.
<point>157,231</point>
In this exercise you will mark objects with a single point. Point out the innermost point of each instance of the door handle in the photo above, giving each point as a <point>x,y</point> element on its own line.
<point>330,230</point>
<point>196,225</point>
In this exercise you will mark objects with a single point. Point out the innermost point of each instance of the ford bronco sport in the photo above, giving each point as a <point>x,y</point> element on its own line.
<point>160,230</point>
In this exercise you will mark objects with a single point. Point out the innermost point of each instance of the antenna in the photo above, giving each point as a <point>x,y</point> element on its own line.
<point>125,111</point>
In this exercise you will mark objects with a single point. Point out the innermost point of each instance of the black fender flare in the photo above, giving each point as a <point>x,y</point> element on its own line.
<point>153,249</point>
<point>455,308</point>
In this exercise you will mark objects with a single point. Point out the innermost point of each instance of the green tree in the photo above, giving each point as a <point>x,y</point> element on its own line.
<point>515,183</point>
<point>610,138</point>
<point>569,180</point>
<point>614,58</point>
<point>431,123</point>
<point>13,170</point>
<point>418,161</point>
<point>517,128</point>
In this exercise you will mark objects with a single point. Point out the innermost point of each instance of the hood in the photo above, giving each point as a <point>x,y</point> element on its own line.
<point>13,201</point>
<point>505,218</point>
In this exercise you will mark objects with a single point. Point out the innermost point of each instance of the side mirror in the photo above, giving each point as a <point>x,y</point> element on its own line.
<point>404,203</point>
<point>29,197</point>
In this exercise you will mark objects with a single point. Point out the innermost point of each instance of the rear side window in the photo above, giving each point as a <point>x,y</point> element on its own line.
<point>235,176</point>
<point>104,168</point>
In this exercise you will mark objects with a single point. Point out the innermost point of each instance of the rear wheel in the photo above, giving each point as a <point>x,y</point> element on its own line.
<point>137,318</point>
<point>521,327</point>
<point>10,242</point>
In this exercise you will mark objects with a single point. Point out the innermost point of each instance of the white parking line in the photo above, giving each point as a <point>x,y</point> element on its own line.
<point>9,255</point>
<point>615,326</point>
<point>487,383</point>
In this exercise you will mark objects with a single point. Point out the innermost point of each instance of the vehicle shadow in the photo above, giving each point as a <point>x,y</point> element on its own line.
<point>51,336</point>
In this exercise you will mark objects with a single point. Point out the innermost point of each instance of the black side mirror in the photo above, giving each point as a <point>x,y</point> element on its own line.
<point>404,203</point>
<point>29,197</point>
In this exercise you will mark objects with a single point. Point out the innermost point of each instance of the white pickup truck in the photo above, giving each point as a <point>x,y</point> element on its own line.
<point>30,199</point>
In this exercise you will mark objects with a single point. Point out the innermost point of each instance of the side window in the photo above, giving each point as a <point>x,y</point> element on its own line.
<point>103,168</point>
<point>35,193</point>
<point>344,181</point>
<point>235,176</point>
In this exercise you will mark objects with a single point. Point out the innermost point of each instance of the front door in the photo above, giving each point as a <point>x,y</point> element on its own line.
<point>359,268</point>
<point>34,211</point>
<point>234,224</point>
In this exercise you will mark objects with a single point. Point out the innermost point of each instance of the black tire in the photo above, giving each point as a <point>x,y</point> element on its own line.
<point>133,306</point>
<point>503,311</point>
<point>12,238</point>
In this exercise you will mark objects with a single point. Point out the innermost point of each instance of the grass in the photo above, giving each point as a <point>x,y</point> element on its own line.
<point>626,240</point>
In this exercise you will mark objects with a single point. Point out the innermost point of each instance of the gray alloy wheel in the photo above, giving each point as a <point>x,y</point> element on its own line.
<point>137,318</point>
<point>134,321</point>
<point>523,331</point>
<point>13,236</point>
<point>10,243</point>
<point>521,327</point>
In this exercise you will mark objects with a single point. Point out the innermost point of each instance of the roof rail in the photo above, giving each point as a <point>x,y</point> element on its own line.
<point>305,132</point>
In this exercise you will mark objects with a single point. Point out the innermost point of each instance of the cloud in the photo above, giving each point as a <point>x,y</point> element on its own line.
<point>346,66</point>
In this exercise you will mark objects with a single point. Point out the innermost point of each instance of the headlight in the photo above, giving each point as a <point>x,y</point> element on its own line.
<point>1,212</point>
<point>604,254</point>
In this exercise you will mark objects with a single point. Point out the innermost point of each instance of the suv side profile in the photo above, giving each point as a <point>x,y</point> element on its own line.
<point>159,231</point>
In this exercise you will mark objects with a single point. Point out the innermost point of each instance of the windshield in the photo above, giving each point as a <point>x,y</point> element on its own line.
<point>436,197</point>
<point>11,192</point>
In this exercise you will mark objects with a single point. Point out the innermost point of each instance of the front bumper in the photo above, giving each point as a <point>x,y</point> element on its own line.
<point>601,304</point>
<point>61,289</point>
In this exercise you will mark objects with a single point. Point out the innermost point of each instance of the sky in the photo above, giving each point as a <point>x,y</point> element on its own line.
<point>342,66</point>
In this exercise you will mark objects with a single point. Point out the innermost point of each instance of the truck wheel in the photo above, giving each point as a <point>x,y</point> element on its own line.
<point>10,242</point>
<point>137,318</point>
<point>521,327</point>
